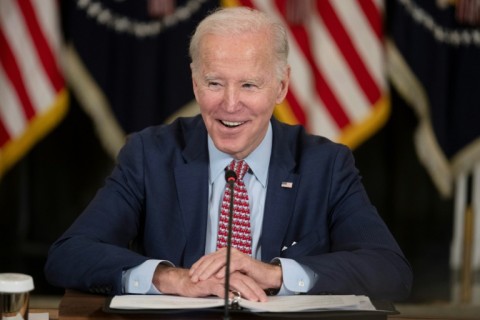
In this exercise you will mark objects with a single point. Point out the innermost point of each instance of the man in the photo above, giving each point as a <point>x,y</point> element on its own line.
<point>310,227</point>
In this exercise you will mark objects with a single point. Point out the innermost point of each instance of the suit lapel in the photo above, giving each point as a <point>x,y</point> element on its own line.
<point>191,179</point>
<point>281,194</point>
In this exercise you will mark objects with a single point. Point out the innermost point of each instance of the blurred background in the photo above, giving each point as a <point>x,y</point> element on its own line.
<point>398,81</point>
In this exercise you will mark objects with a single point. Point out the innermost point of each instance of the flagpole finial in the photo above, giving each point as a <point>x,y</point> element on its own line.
<point>466,11</point>
<point>297,12</point>
<point>161,8</point>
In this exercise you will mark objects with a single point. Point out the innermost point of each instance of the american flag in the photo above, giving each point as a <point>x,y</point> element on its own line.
<point>33,97</point>
<point>338,85</point>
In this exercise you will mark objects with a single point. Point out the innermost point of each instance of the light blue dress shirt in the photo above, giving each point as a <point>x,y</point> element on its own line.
<point>296,277</point>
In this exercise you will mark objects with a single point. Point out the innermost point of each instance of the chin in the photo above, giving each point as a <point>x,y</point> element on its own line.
<point>228,149</point>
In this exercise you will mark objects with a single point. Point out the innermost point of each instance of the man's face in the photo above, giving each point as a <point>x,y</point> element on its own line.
<point>237,89</point>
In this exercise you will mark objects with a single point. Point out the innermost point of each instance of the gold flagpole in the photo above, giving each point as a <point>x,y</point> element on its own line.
<point>466,284</point>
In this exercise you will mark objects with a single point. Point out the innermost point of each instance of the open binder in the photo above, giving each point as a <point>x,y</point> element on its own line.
<point>298,306</point>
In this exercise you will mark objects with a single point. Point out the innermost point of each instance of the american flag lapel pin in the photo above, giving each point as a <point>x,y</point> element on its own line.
<point>287,184</point>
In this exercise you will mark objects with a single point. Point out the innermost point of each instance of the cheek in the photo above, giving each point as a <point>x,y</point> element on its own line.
<point>207,99</point>
<point>265,106</point>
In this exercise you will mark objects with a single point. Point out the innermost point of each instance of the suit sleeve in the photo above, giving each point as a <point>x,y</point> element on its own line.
<point>94,252</point>
<point>359,255</point>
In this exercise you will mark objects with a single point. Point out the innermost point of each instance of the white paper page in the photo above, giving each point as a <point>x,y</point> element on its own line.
<point>310,302</point>
<point>163,302</point>
<point>274,303</point>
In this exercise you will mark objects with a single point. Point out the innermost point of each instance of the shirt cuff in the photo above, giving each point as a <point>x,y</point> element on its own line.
<point>297,278</point>
<point>138,280</point>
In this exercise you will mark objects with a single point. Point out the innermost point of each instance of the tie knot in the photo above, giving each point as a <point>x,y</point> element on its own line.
<point>240,167</point>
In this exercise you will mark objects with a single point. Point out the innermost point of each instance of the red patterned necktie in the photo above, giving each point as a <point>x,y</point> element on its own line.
<point>241,234</point>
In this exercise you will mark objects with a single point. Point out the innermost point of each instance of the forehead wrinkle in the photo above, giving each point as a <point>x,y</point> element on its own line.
<point>241,78</point>
<point>244,44</point>
<point>218,54</point>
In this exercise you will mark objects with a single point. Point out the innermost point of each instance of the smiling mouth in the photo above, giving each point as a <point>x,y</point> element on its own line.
<point>231,124</point>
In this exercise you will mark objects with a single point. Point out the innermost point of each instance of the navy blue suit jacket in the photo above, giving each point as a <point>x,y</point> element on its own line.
<point>154,205</point>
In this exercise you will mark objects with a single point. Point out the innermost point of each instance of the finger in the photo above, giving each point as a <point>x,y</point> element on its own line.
<point>250,293</point>
<point>199,262</point>
<point>238,261</point>
<point>197,268</point>
<point>214,264</point>
<point>208,267</point>
<point>219,290</point>
<point>222,272</point>
<point>247,287</point>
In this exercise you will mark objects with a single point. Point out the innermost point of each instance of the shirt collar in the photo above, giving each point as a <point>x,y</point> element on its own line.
<point>258,160</point>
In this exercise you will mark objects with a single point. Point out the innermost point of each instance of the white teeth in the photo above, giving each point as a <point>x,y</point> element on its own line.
<point>231,123</point>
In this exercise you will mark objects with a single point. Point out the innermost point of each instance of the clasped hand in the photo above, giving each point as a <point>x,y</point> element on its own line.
<point>206,277</point>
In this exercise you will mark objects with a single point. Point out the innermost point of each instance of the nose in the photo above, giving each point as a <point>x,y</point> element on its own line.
<point>231,99</point>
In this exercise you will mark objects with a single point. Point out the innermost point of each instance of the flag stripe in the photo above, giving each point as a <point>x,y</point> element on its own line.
<point>338,73</point>
<point>247,3</point>
<point>7,59</point>
<point>4,136</point>
<point>373,16</point>
<point>33,97</point>
<point>296,108</point>
<point>318,119</point>
<point>12,114</point>
<point>43,49</point>
<point>345,45</point>
<point>366,43</point>
<point>322,87</point>
<point>37,84</point>
<point>49,23</point>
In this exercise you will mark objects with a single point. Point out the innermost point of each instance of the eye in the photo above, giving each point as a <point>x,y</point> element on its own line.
<point>213,84</point>
<point>248,85</point>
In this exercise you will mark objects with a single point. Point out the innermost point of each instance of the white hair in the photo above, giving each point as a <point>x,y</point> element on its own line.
<point>239,20</point>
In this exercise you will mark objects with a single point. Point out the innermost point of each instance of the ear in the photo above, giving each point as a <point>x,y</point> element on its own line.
<point>194,81</point>
<point>283,87</point>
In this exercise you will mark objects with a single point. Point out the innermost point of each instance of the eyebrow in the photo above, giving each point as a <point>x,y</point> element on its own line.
<point>256,80</point>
